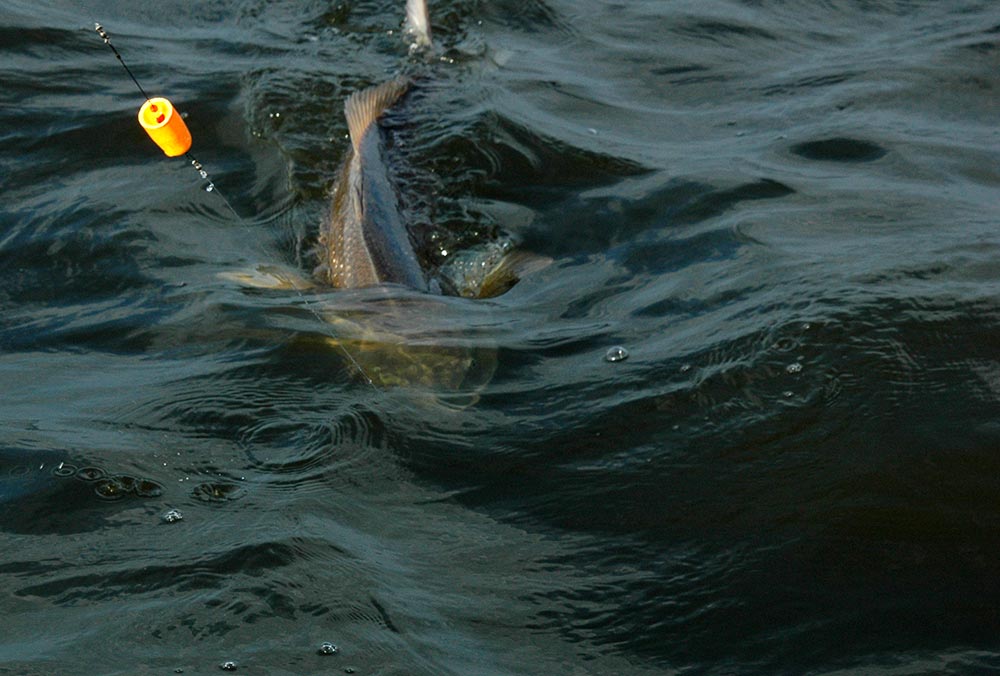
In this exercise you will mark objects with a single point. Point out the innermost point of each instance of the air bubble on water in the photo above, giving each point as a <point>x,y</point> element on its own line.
<point>172,516</point>
<point>228,666</point>
<point>146,488</point>
<point>117,487</point>
<point>328,649</point>
<point>64,470</point>
<point>616,353</point>
<point>128,483</point>
<point>111,489</point>
<point>794,367</point>
<point>90,473</point>
<point>806,326</point>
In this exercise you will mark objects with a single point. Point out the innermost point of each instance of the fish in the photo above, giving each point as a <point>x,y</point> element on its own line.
<point>364,242</point>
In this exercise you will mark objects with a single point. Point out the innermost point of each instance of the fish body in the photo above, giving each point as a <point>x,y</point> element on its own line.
<point>364,241</point>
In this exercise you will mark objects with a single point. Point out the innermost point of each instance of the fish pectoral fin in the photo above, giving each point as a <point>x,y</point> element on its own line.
<point>268,277</point>
<point>510,270</point>
<point>363,108</point>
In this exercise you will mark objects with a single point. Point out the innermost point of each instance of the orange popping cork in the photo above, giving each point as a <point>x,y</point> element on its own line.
<point>165,126</point>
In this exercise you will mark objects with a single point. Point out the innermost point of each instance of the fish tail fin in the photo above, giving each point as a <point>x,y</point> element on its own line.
<point>418,22</point>
<point>364,107</point>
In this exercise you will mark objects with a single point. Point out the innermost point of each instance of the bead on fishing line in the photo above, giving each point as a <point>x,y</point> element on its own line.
<point>165,126</point>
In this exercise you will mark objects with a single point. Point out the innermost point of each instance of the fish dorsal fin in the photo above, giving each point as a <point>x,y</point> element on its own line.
<point>268,277</point>
<point>363,108</point>
<point>418,22</point>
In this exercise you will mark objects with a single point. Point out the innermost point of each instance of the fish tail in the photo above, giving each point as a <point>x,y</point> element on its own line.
<point>363,108</point>
<point>418,22</point>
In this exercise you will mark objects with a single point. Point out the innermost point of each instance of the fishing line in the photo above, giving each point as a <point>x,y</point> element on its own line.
<point>107,40</point>
<point>167,129</point>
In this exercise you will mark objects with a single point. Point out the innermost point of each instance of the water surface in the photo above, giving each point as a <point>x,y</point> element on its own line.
<point>786,212</point>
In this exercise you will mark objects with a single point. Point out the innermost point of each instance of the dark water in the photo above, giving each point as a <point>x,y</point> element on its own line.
<point>787,212</point>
